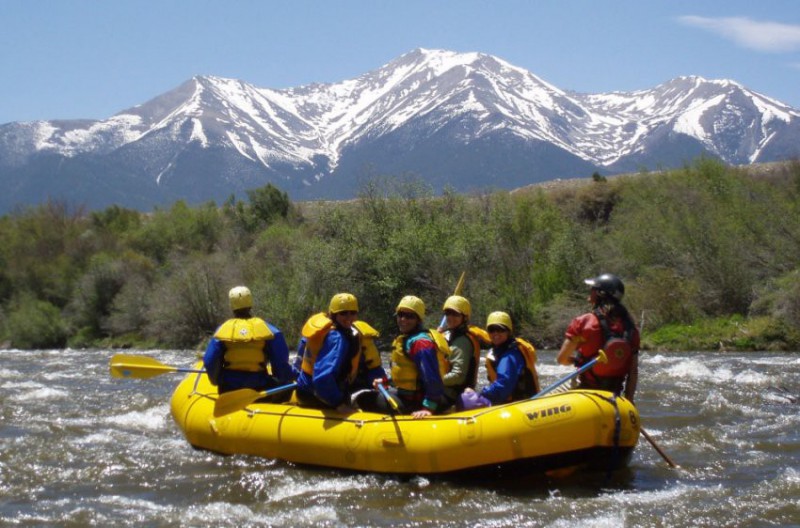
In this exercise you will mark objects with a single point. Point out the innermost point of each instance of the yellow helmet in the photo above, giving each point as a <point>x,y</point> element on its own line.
<point>343,302</point>
<point>459,304</point>
<point>415,304</point>
<point>240,297</point>
<point>501,319</point>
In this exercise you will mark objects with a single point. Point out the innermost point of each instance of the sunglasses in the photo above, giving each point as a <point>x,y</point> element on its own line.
<point>451,312</point>
<point>496,329</point>
<point>347,312</point>
<point>406,315</point>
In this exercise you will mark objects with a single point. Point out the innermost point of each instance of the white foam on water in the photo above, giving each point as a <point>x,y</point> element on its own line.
<point>153,419</point>
<point>63,374</point>
<point>27,384</point>
<point>664,496</point>
<point>45,393</point>
<point>658,359</point>
<point>791,475</point>
<point>9,373</point>
<point>751,377</point>
<point>312,487</point>
<point>690,369</point>
<point>715,400</point>
<point>779,397</point>
<point>93,439</point>
<point>699,370</point>
<point>225,513</point>
<point>136,506</point>
<point>594,520</point>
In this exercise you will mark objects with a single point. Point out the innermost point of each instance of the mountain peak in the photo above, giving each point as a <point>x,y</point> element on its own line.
<point>449,116</point>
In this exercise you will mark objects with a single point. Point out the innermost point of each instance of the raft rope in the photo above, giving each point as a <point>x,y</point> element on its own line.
<point>615,453</point>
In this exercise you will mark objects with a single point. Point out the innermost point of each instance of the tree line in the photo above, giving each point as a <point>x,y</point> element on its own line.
<point>710,256</point>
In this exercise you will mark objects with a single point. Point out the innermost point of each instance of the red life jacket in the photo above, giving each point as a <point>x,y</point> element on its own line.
<point>619,351</point>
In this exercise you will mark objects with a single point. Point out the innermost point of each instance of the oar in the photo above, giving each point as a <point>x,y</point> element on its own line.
<point>233,401</point>
<point>658,448</point>
<point>457,291</point>
<point>600,358</point>
<point>389,398</point>
<point>142,367</point>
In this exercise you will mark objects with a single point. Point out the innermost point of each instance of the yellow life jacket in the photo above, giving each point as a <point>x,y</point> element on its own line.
<point>244,343</point>
<point>367,348</point>
<point>528,352</point>
<point>404,372</point>
<point>316,329</point>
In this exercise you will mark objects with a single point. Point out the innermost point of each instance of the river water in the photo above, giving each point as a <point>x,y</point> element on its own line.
<point>79,448</point>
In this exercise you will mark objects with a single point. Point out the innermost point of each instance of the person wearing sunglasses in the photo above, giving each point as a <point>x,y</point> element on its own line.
<point>510,367</point>
<point>419,360</point>
<point>335,352</point>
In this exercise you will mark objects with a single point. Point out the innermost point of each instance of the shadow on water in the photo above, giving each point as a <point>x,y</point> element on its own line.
<point>583,483</point>
<point>575,482</point>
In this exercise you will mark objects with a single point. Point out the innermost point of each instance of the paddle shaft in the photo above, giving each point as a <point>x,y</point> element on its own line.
<point>571,376</point>
<point>661,452</point>
<point>282,388</point>
<point>236,400</point>
<point>388,397</point>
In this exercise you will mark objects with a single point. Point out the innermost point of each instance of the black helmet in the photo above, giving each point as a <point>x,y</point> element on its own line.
<point>607,286</point>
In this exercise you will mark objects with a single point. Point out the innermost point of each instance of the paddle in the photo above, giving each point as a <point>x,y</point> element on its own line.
<point>388,397</point>
<point>600,358</point>
<point>658,448</point>
<point>233,401</point>
<point>457,291</point>
<point>142,367</point>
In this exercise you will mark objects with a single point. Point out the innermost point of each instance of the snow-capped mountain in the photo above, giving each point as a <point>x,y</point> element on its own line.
<point>467,120</point>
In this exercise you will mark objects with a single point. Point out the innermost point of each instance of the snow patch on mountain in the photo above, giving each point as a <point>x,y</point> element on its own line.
<point>313,125</point>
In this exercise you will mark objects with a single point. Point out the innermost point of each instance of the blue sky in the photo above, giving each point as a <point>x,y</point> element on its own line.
<point>64,59</point>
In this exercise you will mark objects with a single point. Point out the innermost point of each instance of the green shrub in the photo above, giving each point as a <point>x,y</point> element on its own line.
<point>31,323</point>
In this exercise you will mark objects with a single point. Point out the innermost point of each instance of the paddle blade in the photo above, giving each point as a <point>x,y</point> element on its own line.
<point>229,402</point>
<point>460,283</point>
<point>141,367</point>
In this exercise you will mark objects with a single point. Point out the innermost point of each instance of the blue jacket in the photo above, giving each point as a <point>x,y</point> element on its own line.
<point>510,365</point>
<point>331,368</point>
<point>276,354</point>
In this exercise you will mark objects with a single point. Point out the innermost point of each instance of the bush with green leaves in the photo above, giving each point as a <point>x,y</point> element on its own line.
<point>34,323</point>
<point>708,245</point>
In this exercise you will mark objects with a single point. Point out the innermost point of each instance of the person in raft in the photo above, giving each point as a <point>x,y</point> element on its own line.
<point>419,360</point>
<point>608,326</point>
<point>465,342</point>
<point>240,350</point>
<point>337,356</point>
<point>510,367</point>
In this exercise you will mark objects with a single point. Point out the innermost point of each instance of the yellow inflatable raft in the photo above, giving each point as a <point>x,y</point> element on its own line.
<point>566,430</point>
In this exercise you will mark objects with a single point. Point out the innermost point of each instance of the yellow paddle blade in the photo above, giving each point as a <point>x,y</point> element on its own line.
<point>601,356</point>
<point>129,366</point>
<point>460,283</point>
<point>229,402</point>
